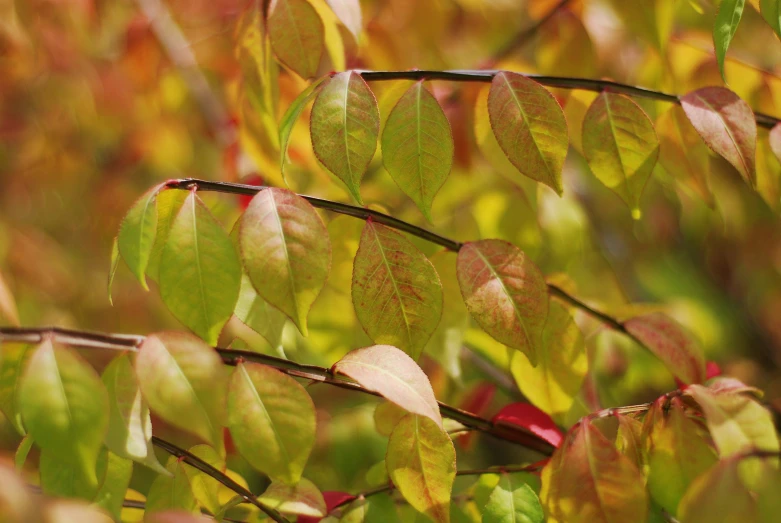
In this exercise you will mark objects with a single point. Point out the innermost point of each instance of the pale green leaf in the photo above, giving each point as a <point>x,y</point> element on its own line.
<point>171,491</point>
<point>297,35</point>
<point>291,117</point>
<point>206,489</point>
<point>112,271</point>
<point>272,421</point>
<point>396,291</point>
<point>719,494</point>
<point>22,451</point>
<point>505,293</point>
<point>417,146</point>
<point>168,205</point>
<point>727,20</point>
<point>512,501</point>
<point>345,123</point>
<point>137,232</point>
<point>255,312</point>
<point>13,360</point>
<point>286,251</point>
<point>421,462</point>
<point>184,382</point>
<point>200,272</point>
<point>771,12</point>
<point>375,509</point>
<point>64,406</point>
<point>62,477</point>
<point>303,498</point>
<point>620,145</point>
<point>116,479</point>
<point>530,127</point>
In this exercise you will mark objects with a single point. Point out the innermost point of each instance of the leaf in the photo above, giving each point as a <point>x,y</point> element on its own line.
<point>726,123</point>
<point>386,416</point>
<point>200,273</point>
<point>530,127</point>
<point>774,137</point>
<point>116,479</point>
<point>669,342</point>
<point>8,313</point>
<point>771,12</point>
<point>332,500</point>
<point>532,419</point>
<point>421,462</point>
<point>393,375</point>
<point>505,293</point>
<point>130,425</point>
<point>183,381</point>
<point>171,491</point>
<point>137,233</point>
<point>168,205</point>
<point>286,251</point>
<point>64,406</point>
<point>272,421</point>
<point>378,508</point>
<point>13,361</point>
<point>291,117</point>
<point>629,439</point>
<point>588,480</point>
<point>68,511</point>
<point>620,145</point>
<point>206,489</point>
<point>561,364</point>
<point>112,271</point>
<point>344,125</point>
<point>417,146</point>
<point>22,451</point>
<point>677,452</point>
<point>297,35</point>
<point>512,501</point>
<point>718,495</point>
<point>349,13</point>
<point>727,20</point>
<point>175,516</point>
<point>61,477</point>
<point>302,498</point>
<point>258,315</point>
<point>396,290</point>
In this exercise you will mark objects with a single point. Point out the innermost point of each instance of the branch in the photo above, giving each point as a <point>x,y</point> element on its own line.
<point>121,342</point>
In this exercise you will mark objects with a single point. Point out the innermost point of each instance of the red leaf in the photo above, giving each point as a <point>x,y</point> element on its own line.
<point>712,370</point>
<point>531,418</point>
<point>333,499</point>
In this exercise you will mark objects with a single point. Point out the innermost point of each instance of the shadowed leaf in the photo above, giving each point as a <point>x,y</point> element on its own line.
<point>727,20</point>
<point>171,492</point>
<point>137,232</point>
<point>718,495</point>
<point>297,35</point>
<point>291,117</point>
<point>771,12</point>
<point>13,360</point>
<point>255,312</point>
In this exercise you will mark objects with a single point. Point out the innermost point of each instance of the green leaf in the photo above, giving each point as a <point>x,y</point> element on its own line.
<point>168,205</point>
<point>303,499</point>
<point>669,342</point>
<point>22,451</point>
<point>297,35</point>
<point>255,312</point>
<point>205,488</point>
<point>64,406</point>
<point>171,491</point>
<point>116,479</point>
<point>718,495</point>
<point>396,290</point>
<point>421,462</point>
<point>727,20</point>
<point>589,481</point>
<point>530,127</point>
<point>393,375</point>
<point>113,269</point>
<point>505,293</point>
<point>620,145</point>
<point>62,477</point>
<point>677,452</point>
<point>512,501</point>
<point>13,360</point>
<point>272,421</point>
<point>200,273</point>
<point>417,146</point>
<point>771,12</point>
<point>378,508</point>
<point>291,117</point>
<point>345,123</point>
<point>183,381</point>
<point>286,251</point>
<point>561,364</point>
<point>8,313</point>
<point>726,123</point>
<point>137,234</point>
<point>130,425</point>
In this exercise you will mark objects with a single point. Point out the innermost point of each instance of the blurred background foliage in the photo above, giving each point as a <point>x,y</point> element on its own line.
<point>101,99</point>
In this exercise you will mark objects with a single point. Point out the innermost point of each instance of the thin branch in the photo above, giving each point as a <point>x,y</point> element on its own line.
<point>503,431</point>
<point>207,469</point>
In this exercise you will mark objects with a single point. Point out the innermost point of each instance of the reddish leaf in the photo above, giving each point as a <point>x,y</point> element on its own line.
<point>476,401</point>
<point>333,499</point>
<point>297,35</point>
<point>726,123</point>
<point>712,370</point>
<point>531,418</point>
<point>252,179</point>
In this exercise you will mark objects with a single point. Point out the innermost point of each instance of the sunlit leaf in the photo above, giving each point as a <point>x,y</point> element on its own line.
<point>421,461</point>
<point>64,406</point>
<point>8,312</point>
<point>332,500</point>
<point>345,123</point>
<point>13,360</point>
<point>184,382</point>
<point>512,501</point>
<point>272,421</point>
<point>349,13</point>
<point>168,205</point>
<point>200,273</point>
<point>258,315</point>
<point>395,376</point>
<point>137,233</point>
<point>670,343</point>
<point>171,491</point>
<point>532,419</point>
<point>677,452</point>
<point>303,498</point>
<point>530,127</point>
<point>130,425</point>
<point>112,271</point>
<point>588,480</point>
<point>561,364</point>
<point>291,117</point>
<point>297,35</point>
<point>286,251</point>
<point>206,489</point>
<point>396,290</point>
<point>505,293</point>
<point>719,494</point>
<point>417,146</point>
<point>726,123</point>
<point>727,20</point>
<point>620,145</point>
<point>771,12</point>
